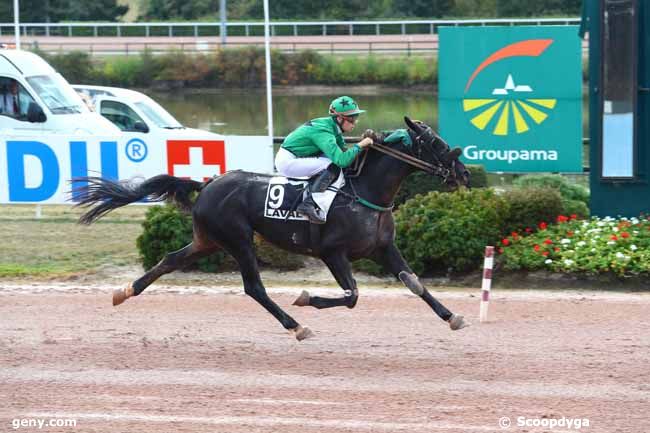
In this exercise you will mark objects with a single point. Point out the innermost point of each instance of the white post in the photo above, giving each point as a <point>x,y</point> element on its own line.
<point>267,57</point>
<point>17,24</point>
<point>38,214</point>
<point>488,263</point>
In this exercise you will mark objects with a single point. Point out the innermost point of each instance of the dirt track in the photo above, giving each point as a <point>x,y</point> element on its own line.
<point>216,362</point>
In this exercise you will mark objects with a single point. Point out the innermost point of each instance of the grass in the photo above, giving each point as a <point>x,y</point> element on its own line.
<point>55,245</point>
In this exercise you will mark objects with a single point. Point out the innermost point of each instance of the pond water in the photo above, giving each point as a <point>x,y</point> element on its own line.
<point>243,111</point>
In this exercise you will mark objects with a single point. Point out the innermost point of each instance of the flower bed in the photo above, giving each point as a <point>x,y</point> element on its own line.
<point>595,246</point>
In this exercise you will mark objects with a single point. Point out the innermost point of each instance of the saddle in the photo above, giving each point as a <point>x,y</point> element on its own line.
<point>284,194</point>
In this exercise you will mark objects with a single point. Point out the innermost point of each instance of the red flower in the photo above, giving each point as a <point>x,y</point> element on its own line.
<point>625,235</point>
<point>542,225</point>
<point>536,247</point>
<point>562,218</point>
<point>614,237</point>
<point>529,230</point>
<point>547,241</point>
<point>505,242</point>
<point>556,249</point>
<point>514,235</point>
<point>574,216</point>
<point>569,233</point>
<point>545,253</point>
<point>500,250</point>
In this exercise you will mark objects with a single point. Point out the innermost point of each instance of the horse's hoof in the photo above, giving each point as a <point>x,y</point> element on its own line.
<point>303,299</point>
<point>457,322</point>
<point>303,333</point>
<point>120,296</point>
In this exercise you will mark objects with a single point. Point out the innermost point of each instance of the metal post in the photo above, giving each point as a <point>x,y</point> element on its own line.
<point>17,23</point>
<point>351,30</point>
<point>295,30</point>
<point>267,57</point>
<point>222,16</point>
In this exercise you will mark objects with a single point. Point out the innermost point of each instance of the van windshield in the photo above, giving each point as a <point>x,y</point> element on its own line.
<point>158,114</point>
<point>56,93</point>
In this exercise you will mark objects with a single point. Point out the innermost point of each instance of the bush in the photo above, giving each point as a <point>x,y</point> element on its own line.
<point>76,66</point>
<point>422,183</point>
<point>527,207</point>
<point>439,231</point>
<point>369,267</point>
<point>166,229</point>
<point>567,190</point>
<point>596,246</point>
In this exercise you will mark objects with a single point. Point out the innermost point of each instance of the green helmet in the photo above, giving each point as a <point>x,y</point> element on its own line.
<point>344,106</point>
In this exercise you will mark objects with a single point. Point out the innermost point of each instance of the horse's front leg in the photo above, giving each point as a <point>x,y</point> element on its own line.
<point>392,260</point>
<point>339,265</point>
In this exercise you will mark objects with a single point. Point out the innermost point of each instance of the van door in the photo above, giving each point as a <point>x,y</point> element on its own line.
<point>122,115</point>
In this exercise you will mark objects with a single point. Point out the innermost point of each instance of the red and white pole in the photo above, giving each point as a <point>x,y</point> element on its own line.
<point>488,262</point>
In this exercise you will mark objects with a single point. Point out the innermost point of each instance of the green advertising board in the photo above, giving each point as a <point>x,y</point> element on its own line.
<point>511,97</point>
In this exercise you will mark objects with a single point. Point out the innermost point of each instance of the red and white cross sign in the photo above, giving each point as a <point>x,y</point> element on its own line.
<point>196,159</point>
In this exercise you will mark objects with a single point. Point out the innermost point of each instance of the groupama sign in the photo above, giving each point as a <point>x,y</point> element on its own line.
<point>511,97</point>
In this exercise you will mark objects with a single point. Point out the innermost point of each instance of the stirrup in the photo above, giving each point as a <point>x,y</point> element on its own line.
<point>309,209</point>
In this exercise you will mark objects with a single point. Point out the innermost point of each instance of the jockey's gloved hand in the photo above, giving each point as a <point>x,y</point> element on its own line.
<point>367,141</point>
<point>369,133</point>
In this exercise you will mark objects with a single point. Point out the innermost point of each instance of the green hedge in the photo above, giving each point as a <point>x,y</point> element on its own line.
<point>439,232</point>
<point>242,67</point>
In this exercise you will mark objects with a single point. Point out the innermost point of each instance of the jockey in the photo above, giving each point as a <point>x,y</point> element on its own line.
<point>317,150</point>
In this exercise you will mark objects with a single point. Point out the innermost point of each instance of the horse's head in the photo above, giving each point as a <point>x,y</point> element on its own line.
<point>431,148</point>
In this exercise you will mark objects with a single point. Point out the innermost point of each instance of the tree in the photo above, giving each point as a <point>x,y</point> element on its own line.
<point>422,8</point>
<point>63,10</point>
<point>179,9</point>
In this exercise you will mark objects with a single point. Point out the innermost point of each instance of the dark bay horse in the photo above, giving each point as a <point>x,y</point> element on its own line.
<point>230,208</point>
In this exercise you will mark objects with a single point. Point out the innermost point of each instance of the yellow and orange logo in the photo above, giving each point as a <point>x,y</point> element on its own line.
<point>510,98</point>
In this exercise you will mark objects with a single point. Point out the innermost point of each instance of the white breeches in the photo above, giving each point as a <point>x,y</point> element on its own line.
<point>290,165</point>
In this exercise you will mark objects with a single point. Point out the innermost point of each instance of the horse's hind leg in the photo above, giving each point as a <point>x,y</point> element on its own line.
<point>244,253</point>
<point>339,265</point>
<point>171,262</point>
<point>393,261</point>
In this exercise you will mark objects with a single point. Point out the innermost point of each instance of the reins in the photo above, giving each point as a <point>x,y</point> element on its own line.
<point>411,160</point>
<point>359,163</point>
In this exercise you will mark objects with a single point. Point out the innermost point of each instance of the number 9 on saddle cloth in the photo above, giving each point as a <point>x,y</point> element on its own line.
<point>284,194</point>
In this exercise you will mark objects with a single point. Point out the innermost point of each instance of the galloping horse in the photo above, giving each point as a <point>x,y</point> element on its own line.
<point>230,208</point>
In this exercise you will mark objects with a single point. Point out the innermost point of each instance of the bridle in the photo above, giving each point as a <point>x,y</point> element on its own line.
<point>417,162</point>
<point>436,170</point>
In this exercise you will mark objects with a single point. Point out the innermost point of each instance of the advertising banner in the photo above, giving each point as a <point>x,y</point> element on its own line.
<point>511,97</point>
<point>38,169</point>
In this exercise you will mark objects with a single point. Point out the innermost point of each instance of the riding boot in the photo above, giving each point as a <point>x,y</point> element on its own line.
<point>317,184</point>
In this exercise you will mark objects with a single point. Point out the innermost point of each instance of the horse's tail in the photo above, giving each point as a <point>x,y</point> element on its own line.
<point>103,195</point>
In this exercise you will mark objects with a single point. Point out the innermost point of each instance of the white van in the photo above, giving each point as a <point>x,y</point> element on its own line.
<point>35,99</point>
<point>135,112</point>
